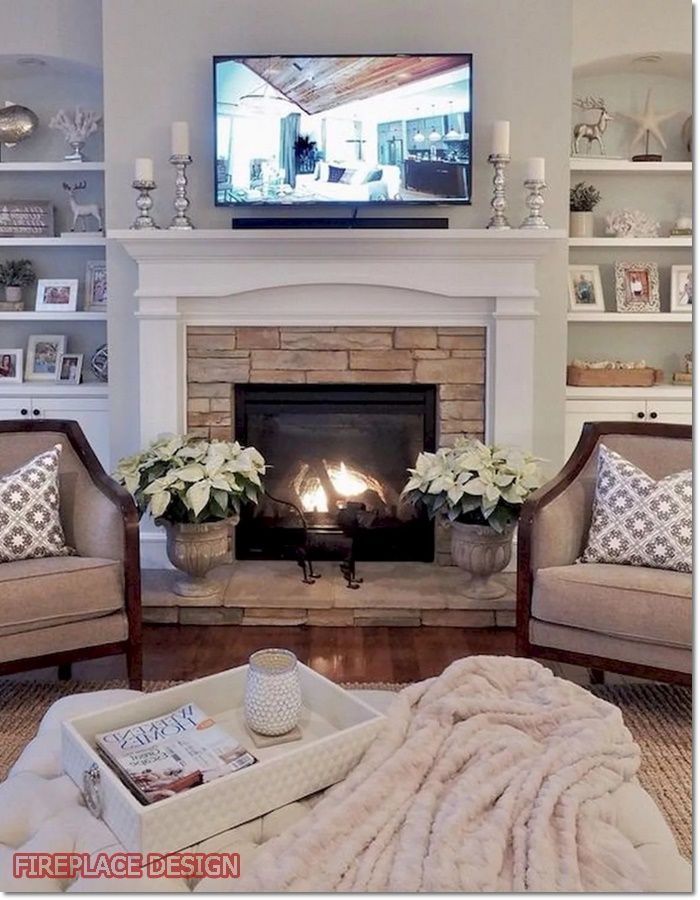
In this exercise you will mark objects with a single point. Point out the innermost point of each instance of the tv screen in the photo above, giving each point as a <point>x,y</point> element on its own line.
<point>352,130</point>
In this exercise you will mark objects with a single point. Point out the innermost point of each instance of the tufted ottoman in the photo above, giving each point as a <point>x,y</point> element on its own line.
<point>41,810</point>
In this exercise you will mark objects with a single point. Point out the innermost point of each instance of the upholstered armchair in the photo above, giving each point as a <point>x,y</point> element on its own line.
<point>59,610</point>
<point>616,618</point>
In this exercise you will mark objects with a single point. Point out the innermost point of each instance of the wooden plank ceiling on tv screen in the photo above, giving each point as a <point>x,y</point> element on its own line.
<point>317,84</point>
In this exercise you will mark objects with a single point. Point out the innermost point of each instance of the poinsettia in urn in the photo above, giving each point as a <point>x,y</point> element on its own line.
<point>479,489</point>
<point>195,489</point>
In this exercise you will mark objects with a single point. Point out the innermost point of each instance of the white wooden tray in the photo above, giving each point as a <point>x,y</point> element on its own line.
<point>336,729</point>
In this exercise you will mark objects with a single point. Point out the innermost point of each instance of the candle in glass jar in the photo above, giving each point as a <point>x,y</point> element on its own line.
<point>535,168</point>
<point>500,144</point>
<point>180,139</point>
<point>143,169</point>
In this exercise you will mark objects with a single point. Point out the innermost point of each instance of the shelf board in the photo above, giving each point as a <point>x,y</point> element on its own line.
<point>49,389</point>
<point>658,391</point>
<point>611,318</point>
<point>33,316</point>
<point>612,242</point>
<point>52,167</point>
<point>596,164</point>
<point>72,241</point>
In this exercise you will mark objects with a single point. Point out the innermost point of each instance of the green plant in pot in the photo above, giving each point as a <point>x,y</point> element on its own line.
<point>194,488</point>
<point>583,199</point>
<point>16,274</point>
<point>479,490</point>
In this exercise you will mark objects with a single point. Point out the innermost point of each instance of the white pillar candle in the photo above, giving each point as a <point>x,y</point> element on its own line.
<point>180,139</point>
<point>500,145</point>
<point>143,169</point>
<point>535,168</point>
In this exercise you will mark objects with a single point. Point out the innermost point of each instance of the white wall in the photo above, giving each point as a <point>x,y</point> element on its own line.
<point>157,68</point>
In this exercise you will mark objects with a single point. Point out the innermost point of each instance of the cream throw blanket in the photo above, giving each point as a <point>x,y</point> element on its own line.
<point>492,777</point>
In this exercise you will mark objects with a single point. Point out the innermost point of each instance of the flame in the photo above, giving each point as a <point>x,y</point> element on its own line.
<point>314,498</point>
<point>346,483</point>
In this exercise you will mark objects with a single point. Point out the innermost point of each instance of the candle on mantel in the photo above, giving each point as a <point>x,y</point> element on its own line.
<point>180,139</point>
<point>500,144</point>
<point>535,169</point>
<point>143,169</point>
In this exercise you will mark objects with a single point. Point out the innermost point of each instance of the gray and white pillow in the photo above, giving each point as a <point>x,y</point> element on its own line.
<point>638,521</point>
<point>30,524</point>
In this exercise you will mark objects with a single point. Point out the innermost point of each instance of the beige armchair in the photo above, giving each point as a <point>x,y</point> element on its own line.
<point>626,619</point>
<point>59,610</point>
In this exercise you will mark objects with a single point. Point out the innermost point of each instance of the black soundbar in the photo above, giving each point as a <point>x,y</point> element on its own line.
<point>341,222</point>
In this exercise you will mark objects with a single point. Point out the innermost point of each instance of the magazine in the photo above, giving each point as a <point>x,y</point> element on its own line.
<point>172,753</point>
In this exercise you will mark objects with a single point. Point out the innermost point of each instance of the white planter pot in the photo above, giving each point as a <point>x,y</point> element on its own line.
<point>482,552</point>
<point>581,224</point>
<point>194,550</point>
<point>273,692</point>
<point>13,294</point>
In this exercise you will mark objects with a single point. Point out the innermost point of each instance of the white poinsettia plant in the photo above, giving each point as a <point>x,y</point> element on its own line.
<point>185,479</point>
<point>474,483</point>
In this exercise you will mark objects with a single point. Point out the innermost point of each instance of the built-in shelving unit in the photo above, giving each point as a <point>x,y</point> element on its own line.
<point>613,318</point>
<point>6,167</point>
<point>614,242</point>
<point>658,392</point>
<point>32,316</point>
<point>617,166</point>
<point>96,390</point>
<point>74,240</point>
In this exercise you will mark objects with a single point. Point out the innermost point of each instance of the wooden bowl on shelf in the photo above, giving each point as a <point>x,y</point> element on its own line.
<point>579,377</point>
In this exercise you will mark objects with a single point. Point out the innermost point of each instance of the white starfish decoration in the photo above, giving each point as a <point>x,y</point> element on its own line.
<point>649,122</point>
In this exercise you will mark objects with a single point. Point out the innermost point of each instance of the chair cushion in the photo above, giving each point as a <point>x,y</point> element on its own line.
<point>639,604</point>
<point>40,593</point>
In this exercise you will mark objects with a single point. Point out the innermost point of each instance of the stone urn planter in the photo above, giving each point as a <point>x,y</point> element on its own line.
<point>581,224</point>
<point>482,552</point>
<point>195,550</point>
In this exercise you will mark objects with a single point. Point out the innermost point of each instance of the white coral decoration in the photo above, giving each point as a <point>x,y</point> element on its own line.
<point>76,126</point>
<point>631,223</point>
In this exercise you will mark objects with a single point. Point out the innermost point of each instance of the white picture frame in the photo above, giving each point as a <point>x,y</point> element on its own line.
<point>70,368</point>
<point>96,285</point>
<point>11,365</point>
<point>585,289</point>
<point>43,353</point>
<point>56,295</point>
<point>637,287</point>
<point>681,288</point>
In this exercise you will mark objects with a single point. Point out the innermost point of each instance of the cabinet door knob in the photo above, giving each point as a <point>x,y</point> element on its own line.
<point>24,412</point>
<point>653,415</point>
<point>36,412</point>
<point>640,415</point>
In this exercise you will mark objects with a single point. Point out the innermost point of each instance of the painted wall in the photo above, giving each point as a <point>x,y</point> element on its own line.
<point>157,68</point>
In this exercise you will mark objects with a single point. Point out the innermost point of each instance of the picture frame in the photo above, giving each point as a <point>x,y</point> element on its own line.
<point>96,285</point>
<point>70,368</point>
<point>43,354</point>
<point>681,288</point>
<point>26,218</point>
<point>56,295</point>
<point>585,289</point>
<point>637,287</point>
<point>12,365</point>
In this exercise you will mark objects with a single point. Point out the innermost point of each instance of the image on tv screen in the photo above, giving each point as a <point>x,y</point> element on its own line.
<point>343,129</point>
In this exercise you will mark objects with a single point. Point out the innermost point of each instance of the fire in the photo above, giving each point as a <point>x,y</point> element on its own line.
<point>346,483</point>
<point>314,498</point>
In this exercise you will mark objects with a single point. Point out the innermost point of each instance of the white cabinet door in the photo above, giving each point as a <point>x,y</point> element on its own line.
<point>580,411</point>
<point>679,412</point>
<point>15,408</point>
<point>91,415</point>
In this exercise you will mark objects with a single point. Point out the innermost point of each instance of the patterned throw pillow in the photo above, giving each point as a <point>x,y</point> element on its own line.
<point>30,525</point>
<point>637,521</point>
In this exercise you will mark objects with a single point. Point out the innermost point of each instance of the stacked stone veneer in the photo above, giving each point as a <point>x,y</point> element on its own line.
<point>453,359</point>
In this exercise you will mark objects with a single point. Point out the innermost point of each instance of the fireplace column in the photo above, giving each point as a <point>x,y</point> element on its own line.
<point>163,367</point>
<point>511,349</point>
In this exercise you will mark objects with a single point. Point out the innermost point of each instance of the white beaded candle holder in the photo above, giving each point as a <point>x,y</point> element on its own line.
<point>273,692</point>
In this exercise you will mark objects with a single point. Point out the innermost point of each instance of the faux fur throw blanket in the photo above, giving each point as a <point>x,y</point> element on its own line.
<point>495,776</point>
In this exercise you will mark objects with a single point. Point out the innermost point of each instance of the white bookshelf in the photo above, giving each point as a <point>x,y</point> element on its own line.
<point>618,166</point>
<point>73,240</point>
<point>33,316</point>
<point>96,390</point>
<point>613,242</point>
<point>615,318</point>
<point>658,392</point>
<point>51,167</point>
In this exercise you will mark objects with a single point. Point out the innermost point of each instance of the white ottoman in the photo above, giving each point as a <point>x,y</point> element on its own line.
<point>41,810</point>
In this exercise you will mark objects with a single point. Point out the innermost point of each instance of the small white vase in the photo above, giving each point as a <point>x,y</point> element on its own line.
<point>13,294</point>
<point>581,224</point>
<point>273,692</point>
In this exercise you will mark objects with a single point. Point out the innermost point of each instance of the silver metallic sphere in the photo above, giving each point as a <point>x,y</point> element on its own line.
<point>16,124</point>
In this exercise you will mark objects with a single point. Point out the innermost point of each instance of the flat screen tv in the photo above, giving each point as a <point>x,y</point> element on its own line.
<point>351,130</point>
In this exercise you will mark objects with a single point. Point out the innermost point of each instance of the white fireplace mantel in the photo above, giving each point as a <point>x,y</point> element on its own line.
<point>339,277</point>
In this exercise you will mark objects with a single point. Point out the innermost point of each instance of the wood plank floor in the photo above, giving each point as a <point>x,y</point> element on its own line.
<point>342,654</point>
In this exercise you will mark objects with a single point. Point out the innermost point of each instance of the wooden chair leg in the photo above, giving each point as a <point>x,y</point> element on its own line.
<point>597,676</point>
<point>134,667</point>
<point>65,670</point>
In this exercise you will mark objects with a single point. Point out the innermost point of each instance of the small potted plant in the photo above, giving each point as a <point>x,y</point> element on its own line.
<point>479,490</point>
<point>15,274</point>
<point>583,198</point>
<point>194,488</point>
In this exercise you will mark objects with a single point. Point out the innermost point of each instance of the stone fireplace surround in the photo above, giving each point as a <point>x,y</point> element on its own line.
<point>377,306</point>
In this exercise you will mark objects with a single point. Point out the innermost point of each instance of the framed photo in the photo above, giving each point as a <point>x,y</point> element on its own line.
<point>96,285</point>
<point>26,218</point>
<point>585,289</point>
<point>56,295</point>
<point>11,369</point>
<point>637,287</point>
<point>681,288</point>
<point>70,368</point>
<point>43,353</point>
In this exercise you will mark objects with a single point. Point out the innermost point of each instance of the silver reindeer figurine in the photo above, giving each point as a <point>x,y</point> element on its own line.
<point>587,132</point>
<point>82,211</point>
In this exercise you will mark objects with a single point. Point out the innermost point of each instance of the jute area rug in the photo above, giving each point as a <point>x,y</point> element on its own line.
<point>659,716</point>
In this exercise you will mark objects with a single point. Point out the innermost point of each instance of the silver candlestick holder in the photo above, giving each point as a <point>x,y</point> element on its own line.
<point>498,219</point>
<point>181,221</point>
<point>144,204</point>
<point>535,202</point>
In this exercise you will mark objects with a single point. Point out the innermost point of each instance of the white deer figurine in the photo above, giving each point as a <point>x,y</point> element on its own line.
<point>588,132</point>
<point>82,210</point>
